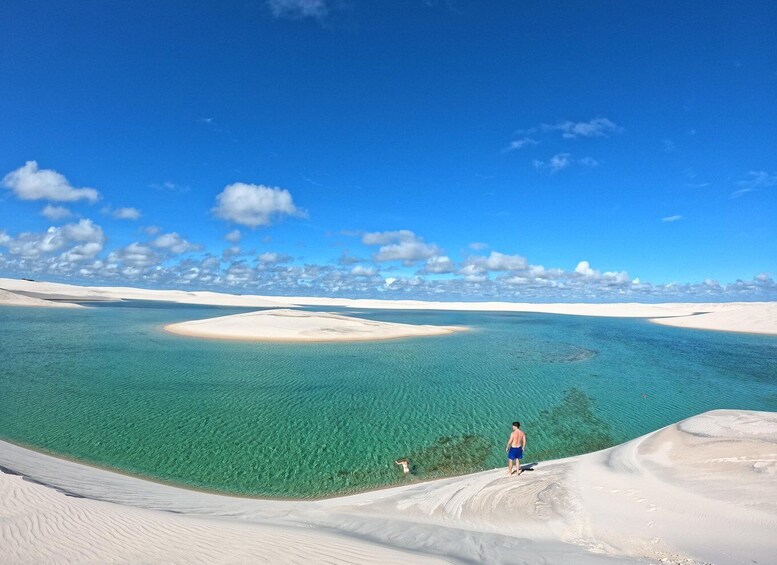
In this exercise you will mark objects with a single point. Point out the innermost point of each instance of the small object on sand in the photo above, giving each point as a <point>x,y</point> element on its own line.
<point>405,464</point>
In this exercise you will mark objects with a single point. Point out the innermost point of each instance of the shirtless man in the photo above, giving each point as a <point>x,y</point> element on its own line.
<point>516,443</point>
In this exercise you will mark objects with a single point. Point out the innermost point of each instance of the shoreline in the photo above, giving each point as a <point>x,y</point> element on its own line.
<point>741,317</point>
<point>625,504</point>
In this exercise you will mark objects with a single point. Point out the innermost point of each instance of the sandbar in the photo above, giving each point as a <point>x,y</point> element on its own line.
<point>301,325</point>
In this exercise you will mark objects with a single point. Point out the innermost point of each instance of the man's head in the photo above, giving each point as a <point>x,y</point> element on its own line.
<point>516,425</point>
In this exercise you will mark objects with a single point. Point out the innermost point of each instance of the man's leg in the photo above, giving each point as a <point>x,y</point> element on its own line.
<point>509,466</point>
<point>518,466</point>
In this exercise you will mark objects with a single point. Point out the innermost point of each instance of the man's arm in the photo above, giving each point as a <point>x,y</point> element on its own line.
<point>509,441</point>
<point>523,441</point>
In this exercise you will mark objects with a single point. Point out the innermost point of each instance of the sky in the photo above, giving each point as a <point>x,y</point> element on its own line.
<point>458,150</point>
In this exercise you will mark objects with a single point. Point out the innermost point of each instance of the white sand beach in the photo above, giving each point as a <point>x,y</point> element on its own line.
<point>749,317</point>
<point>300,325</point>
<point>700,491</point>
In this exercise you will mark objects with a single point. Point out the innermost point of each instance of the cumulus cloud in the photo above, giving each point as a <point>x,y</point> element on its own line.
<point>233,236</point>
<point>584,268</point>
<point>126,213</point>
<point>498,262</point>
<point>298,9</point>
<point>135,255</point>
<point>402,245</point>
<point>478,245</point>
<point>363,271</point>
<point>55,212</point>
<point>30,183</point>
<point>271,257</point>
<point>255,205</point>
<point>439,264</point>
<point>87,236</point>
<point>174,243</point>
<point>669,219</point>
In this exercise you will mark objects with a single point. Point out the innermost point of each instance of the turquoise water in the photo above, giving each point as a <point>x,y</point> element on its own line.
<point>106,385</point>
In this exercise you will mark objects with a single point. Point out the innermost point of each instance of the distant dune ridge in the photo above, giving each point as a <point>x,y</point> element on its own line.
<point>700,491</point>
<point>749,317</point>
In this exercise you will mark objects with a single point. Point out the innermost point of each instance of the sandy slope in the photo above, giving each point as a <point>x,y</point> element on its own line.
<point>753,317</point>
<point>703,490</point>
<point>12,299</point>
<point>298,325</point>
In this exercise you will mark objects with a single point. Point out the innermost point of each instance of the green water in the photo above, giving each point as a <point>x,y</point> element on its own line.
<point>106,385</point>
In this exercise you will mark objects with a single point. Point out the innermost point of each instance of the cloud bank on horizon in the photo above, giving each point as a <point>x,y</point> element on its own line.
<point>360,150</point>
<point>76,251</point>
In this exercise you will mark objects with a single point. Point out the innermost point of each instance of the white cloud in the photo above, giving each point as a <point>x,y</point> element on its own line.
<point>254,205</point>
<point>598,127</point>
<point>759,179</point>
<point>517,144</point>
<point>478,245</point>
<point>233,236</point>
<point>584,268</point>
<point>126,213</point>
<point>385,237</point>
<point>670,219</point>
<point>439,264</point>
<point>297,9</point>
<point>473,273</point>
<point>362,271</point>
<point>555,164</point>
<point>498,262</point>
<point>755,180</point>
<point>30,245</point>
<point>588,162</point>
<point>402,245</point>
<point>136,255</point>
<point>55,212</point>
<point>169,186</point>
<point>741,192</point>
<point>271,257</point>
<point>121,213</point>
<point>30,183</point>
<point>561,161</point>
<point>174,243</point>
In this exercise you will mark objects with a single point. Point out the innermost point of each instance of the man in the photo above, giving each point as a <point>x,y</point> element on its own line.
<point>516,443</point>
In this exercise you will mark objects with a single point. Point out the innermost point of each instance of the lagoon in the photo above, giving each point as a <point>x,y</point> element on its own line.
<point>107,386</point>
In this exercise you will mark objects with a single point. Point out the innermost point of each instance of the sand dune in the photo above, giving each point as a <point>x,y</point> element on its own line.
<point>752,317</point>
<point>749,317</point>
<point>298,325</point>
<point>12,299</point>
<point>703,490</point>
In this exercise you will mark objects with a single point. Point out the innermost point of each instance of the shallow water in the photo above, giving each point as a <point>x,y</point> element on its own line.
<point>106,385</point>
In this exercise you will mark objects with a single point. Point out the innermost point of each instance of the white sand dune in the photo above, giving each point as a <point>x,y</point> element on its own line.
<point>12,299</point>
<point>299,325</point>
<point>751,317</point>
<point>703,490</point>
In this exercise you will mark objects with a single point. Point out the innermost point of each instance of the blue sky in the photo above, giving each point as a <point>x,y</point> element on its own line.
<point>521,151</point>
